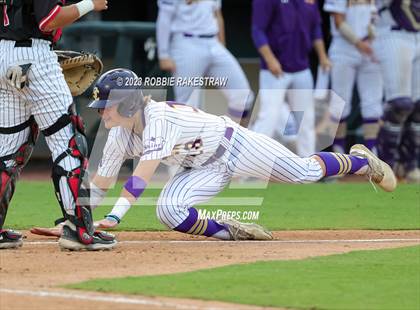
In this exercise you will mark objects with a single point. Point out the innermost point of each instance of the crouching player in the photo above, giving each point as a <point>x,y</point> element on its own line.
<point>212,150</point>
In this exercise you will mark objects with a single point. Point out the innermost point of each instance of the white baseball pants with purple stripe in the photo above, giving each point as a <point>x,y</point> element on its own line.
<point>250,154</point>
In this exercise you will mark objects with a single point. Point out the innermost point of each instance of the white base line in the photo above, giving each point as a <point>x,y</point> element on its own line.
<point>246,241</point>
<point>111,299</point>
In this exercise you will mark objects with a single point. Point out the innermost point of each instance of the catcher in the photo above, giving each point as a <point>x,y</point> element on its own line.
<point>35,96</point>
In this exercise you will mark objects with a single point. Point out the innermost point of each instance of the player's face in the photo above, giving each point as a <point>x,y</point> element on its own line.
<point>112,118</point>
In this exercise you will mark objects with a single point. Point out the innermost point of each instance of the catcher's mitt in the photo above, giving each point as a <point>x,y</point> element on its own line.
<point>80,70</point>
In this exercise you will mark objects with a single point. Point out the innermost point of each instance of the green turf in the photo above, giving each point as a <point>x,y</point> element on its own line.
<point>385,279</point>
<point>316,206</point>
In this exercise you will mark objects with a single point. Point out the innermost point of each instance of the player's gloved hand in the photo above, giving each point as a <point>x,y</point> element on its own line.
<point>364,48</point>
<point>16,76</point>
<point>110,221</point>
<point>100,5</point>
<point>167,64</point>
<point>275,67</point>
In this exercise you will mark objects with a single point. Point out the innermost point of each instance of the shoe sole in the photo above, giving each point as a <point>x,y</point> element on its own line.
<point>258,232</point>
<point>254,231</point>
<point>11,245</point>
<point>70,245</point>
<point>389,181</point>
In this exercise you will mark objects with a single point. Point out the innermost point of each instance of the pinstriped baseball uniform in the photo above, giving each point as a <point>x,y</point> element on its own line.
<point>187,33</point>
<point>349,65</point>
<point>399,54</point>
<point>212,148</point>
<point>397,48</point>
<point>46,97</point>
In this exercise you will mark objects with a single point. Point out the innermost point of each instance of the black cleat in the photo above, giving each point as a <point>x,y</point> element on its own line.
<point>10,239</point>
<point>70,241</point>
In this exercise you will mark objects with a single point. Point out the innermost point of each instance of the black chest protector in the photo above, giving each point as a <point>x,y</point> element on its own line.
<point>17,21</point>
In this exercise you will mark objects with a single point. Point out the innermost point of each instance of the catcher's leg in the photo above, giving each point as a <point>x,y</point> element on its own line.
<point>188,188</point>
<point>67,143</point>
<point>17,144</point>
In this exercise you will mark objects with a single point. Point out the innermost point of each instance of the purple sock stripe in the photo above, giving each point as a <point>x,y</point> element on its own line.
<point>195,226</point>
<point>341,162</point>
<point>347,163</point>
<point>189,222</point>
<point>332,166</point>
<point>212,228</point>
<point>357,163</point>
<point>135,186</point>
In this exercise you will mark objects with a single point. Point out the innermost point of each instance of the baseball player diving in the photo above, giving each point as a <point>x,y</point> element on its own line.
<point>397,47</point>
<point>34,94</point>
<point>353,61</point>
<point>211,149</point>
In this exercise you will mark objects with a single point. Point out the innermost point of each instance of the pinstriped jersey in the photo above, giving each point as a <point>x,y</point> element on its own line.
<point>192,16</point>
<point>122,144</point>
<point>359,14</point>
<point>175,133</point>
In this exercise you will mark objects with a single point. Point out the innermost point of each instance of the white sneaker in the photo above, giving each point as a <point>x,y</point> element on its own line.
<point>246,231</point>
<point>379,171</point>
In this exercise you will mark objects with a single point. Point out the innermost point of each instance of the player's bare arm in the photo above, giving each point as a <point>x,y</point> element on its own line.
<point>324,61</point>
<point>221,22</point>
<point>362,45</point>
<point>272,63</point>
<point>69,14</point>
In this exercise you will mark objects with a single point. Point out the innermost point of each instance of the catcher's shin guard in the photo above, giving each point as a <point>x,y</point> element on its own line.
<point>77,148</point>
<point>9,175</point>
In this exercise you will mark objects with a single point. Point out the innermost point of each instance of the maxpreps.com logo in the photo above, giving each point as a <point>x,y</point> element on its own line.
<point>153,144</point>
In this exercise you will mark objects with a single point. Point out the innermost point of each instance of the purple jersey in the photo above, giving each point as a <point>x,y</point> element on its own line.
<point>289,27</point>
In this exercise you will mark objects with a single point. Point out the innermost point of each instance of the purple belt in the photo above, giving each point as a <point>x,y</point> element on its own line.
<point>221,149</point>
<point>203,36</point>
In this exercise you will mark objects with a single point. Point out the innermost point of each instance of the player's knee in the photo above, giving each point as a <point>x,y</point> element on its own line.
<point>398,110</point>
<point>168,212</point>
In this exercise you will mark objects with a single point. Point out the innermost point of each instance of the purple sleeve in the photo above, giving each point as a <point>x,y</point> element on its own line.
<point>317,26</point>
<point>261,16</point>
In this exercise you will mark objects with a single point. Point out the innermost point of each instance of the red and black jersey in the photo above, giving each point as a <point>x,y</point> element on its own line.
<point>26,19</point>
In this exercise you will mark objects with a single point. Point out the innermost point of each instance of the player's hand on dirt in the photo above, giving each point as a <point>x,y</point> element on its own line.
<point>364,48</point>
<point>275,67</point>
<point>107,222</point>
<point>167,64</point>
<point>325,64</point>
<point>100,5</point>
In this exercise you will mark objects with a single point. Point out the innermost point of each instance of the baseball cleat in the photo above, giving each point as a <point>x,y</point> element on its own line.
<point>246,231</point>
<point>70,241</point>
<point>10,239</point>
<point>379,171</point>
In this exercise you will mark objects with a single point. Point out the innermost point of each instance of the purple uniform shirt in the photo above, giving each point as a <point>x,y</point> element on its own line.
<point>289,27</point>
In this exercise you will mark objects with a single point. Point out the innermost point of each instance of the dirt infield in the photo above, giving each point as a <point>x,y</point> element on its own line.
<point>30,275</point>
